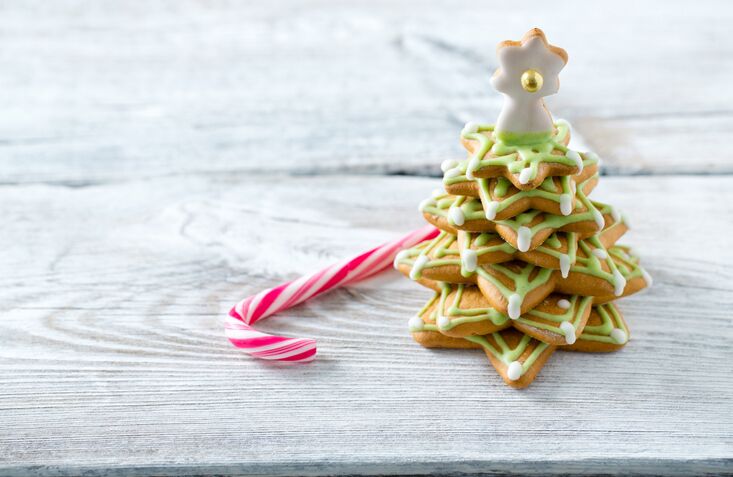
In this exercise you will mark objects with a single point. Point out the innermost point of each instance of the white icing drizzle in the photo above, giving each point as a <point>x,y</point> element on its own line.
<point>619,336</point>
<point>525,175</point>
<point>563,303</point>
<point>455,214</point>
<point>452,173</point>
<point>448,164</point>
<point>600,253</point>
<point>575,157</point>
<point>598,217</point>
<point>615,214</point>
<point>524,238</point>
<point>417,267</point>
<point>619,283</point>
<point>469,260</point>
<point>416,324</point>
<point>472,166</point>
<point>470,127</point>
<point>573,188</point>
<point>566,204</point>
<point>490,210</point>
<point>425,203</point>
<point>515,306</point>
<point>564,265</point>
<point>647,277</point>
<point>437,193</point>
<point>400,256</point>
<point>443,322</point>
<point>569,331</point>
<point>514,371</point>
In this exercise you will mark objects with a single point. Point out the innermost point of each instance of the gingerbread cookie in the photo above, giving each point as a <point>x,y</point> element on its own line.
<point>516,287</point>
<point>501,200</point>
<point>526,166</point>
<point>442,259</point>
<point>525,231</point>
<point>557,320</point>
<point>605,331</point>
<point>454,258</point>
<point>517,357</point>
<point>461,310</point>
<point>425,331</point>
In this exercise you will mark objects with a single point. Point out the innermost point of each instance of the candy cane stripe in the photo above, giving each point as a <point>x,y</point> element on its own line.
<point>312,286</point>
<point>368,263</point>
<point>291,349</point>
<point>237,324</point>
<point>304,357</point>
<point>292,352</point>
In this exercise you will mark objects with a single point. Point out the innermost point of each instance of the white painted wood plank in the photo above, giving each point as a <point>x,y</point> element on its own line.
<point>113,360</point>
<point>93,93</point>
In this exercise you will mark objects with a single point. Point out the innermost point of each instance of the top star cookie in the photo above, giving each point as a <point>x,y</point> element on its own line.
<point>525,145</point>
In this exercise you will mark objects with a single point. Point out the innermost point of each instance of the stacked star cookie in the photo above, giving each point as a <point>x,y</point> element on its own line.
<point>525,263</point>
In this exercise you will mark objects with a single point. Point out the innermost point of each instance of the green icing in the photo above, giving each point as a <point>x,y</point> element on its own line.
<point>430,302</point>
<point>578,305</point>
<point>507,354</point>
<point>438,254</point>
<point>553,241</point>
<point>627,264</point>
<point>479,244</point>
<point>551,246</point>
<point>481,240</point>
<point>610,319</point>
<point>517,153</point>
<point>501,187</point>
<point>458,316</point>
<point>521,280</point>
<point>554,221</point>
<point>619,265</point>
<point>467,315</point>
<point>546,191</point>
<point>590,264</point>
<point>472,209</point>
<point>508,138</point>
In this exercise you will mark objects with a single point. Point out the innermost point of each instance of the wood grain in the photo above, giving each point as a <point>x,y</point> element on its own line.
<point>96,94</point>
<point>113,360</point>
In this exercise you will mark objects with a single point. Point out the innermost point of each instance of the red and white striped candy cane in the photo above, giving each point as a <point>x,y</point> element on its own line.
<point>243,315</point>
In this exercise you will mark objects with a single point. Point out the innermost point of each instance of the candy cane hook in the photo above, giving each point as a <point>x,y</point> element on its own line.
<point>238,325</point>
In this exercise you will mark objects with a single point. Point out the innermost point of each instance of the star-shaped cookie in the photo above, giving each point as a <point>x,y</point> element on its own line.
<point>516,287</point>
<point>517,356</point>
<point>502,200</point>
<point>605,331</point>
<point>525,165</point>
<point>461,310</point>
<point>525,231</point>
<point>454,259</point>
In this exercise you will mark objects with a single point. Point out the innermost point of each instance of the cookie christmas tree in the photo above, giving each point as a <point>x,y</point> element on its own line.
<point>525,262</point>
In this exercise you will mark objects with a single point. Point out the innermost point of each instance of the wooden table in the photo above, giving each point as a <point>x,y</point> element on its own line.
<point>162,160</point>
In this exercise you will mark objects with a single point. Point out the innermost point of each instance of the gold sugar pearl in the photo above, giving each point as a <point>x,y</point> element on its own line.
<point>532,81</point>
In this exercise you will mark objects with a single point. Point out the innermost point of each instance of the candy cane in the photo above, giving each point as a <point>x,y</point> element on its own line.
<point>238,325</point>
